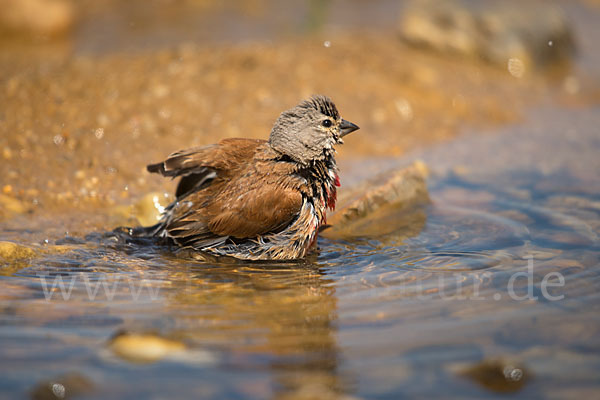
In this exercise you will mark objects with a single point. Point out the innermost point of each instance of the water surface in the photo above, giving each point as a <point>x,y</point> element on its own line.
<point>405,313</point>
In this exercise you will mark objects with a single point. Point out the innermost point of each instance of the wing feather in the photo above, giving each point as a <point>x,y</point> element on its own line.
<point>265,208</point>
<point>227,155</point>
<point>198,166</point>
<point>223,193</point>
<point>268,209</point>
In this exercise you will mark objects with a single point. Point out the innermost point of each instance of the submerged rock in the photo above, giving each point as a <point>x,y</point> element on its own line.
<point>517,36</point>
<point>148,348</point>
<point>498,375</point>
<point>143,348</point>
<point>373,201</point>
<point>64,387</point>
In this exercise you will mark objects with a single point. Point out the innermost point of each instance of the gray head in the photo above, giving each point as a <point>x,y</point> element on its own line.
<point>309,131</point>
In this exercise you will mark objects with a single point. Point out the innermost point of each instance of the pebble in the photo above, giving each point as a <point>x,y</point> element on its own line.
<point>498,376</point>
<point>12,251</point>
<point>63,387</point>
<point>148,348</point>
<point>143,347</point>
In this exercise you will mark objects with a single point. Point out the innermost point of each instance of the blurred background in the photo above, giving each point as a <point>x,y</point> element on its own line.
<point>497,100</point>
<point>94,90</point>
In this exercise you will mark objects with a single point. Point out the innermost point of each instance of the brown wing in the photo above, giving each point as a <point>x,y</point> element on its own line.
<point>248,195</point>
<point>233,210</point>
<point>225,155</point>
<point>199,165</point>
<point>267,209</point>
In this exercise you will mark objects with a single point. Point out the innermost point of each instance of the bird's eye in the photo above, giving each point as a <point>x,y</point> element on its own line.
<point>326,123</point>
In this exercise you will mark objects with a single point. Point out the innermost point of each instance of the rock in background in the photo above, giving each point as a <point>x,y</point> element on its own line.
<point>36,17</point>
<point>521,36</point>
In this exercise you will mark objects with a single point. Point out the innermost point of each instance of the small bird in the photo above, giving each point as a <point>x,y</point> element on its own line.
<point>257,199</point>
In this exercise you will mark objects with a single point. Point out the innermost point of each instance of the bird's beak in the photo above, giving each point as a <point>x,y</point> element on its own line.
<point>347,127</point>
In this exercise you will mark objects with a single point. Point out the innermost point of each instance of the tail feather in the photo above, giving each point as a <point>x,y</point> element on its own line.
<point>158,168</point>
<point>140,232</point>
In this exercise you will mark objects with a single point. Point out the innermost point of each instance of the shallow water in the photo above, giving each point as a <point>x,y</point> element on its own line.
<point>500,269</point>
<point>490,289</point>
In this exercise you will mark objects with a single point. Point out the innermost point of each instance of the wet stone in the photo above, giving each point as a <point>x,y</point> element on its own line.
<point>72,385</point>
<point>498,375</point>
<point>68,386</point>
<point>366,203</point>
<point>12,251</point>
<point>143,347</point>
<point>513,35</point>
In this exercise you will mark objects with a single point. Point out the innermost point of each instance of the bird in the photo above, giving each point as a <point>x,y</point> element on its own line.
<point>254,199</point>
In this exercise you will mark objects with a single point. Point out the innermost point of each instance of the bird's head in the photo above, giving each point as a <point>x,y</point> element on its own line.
<point>309,131</point>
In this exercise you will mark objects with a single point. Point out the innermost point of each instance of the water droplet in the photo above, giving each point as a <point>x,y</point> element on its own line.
<point>516,67</point>
<point>58,390</point>
<point>327,43</point>
<point>550,43</point>
<point>513,374</point>
<point>58,140</point>
<point>159,207</point>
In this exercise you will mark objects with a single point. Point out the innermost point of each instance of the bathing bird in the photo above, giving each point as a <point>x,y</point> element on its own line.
<point>257,199</point>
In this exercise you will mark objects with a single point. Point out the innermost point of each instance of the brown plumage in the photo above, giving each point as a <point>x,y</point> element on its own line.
<point>257,199</point>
